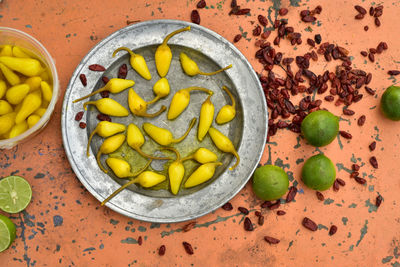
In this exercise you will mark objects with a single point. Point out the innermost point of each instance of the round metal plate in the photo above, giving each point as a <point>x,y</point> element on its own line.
<point>247,131</point>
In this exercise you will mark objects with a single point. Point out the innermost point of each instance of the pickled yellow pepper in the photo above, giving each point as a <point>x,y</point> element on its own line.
<point>5,107</point>
<point>181,100</point>
<point>29,105</point>
<point>176,171</point>
<point>109,146</point>
<point>224,144</point>
<point>163,136</point>
<point>108,106</point>
<point>206,118</point>
<point>139,107</point>
<point>7,121</point>
<point>120,167</point>
<point>202,174</point>
<point>202,155</point>
<point>163,54</point>
<point>190,66</point>
<point>137,62</point>
<point>10,76</point>
<point>115,86</point>
<point>161,89</point>
<point>27,66</point>
<point>227,112</point>
<point>17,93</point>
<point>105,129</point>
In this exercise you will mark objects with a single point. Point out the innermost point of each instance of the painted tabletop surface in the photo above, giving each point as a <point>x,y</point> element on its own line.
<point>64,225</point>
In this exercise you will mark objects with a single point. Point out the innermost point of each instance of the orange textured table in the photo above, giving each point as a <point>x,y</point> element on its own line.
<point>64,225</point>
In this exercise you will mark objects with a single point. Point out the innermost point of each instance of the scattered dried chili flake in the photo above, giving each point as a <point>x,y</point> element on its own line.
<point>292,193</point>
<point>345,134</point>
<point>83,79</point>
<point>96,67</point>
<point>189,226</point>
<point>271,240</point>
<point>261,220</point>
<point>248,225</point>
<point>188,248</point>
<point>123,71</point>
<point>237,38</point>
<point>103,117</point>
<point>82,125</point>
<point>309,224</point>
<point>372,146</point>
<point>332,230</point>
<point>79,115</point>
<point>280,213</point>
<point>140,240</point>
<point>320,196</point>
<point>105,94</point>
<point>161,250</point>
<point>374,162</point>
<point>360,180</point>
<point>394,72</point>
<point>227,206</point>
<point>355,167</point>
<point>195,16</point>
<point>341,182</point>
<point>201,4</point>
<point>378,201</point>
<point>263,20</point>
<point>361,120</point>
<point>243,210</point>
<point>105,79</point>
<point>283,11</point>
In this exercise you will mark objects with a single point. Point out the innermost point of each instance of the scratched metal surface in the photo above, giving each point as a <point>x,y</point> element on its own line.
<point>64,224</point>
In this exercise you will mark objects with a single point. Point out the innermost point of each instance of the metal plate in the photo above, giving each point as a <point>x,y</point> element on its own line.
<point>247,131</point>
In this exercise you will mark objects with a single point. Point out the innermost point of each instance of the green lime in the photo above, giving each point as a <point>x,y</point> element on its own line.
<point>15,194</point>
<point>320,127</point>
<point>318,173</point>
<point>390,103</point>
<point>270,182</point>
<point>7,232</point>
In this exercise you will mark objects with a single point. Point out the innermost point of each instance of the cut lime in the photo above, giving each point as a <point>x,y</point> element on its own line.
<point>7,232</point>
<point>15,194</point>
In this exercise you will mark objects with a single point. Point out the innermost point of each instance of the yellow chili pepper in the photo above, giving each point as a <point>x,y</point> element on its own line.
<point>139,107</point>
<point>115,86</point>
<point>105,129</point>
<point>40,111</point>
<point>181,100</point>
<point>224,144</point>
<point>32,120</point>
<point>45,75</point>
<point>138,63</point>
<point>6,51</point>
<point>202,174</point>
<point>227,112</point>
<point>30,103</point>
<point>18,129</point>
<point>7,121</point>
<point>34,83</point>
<point>108,106</point>
<point>149,179</point>
<point>10,76</point>
<point>206,118</point>
<point>5,107</point>
<point>135,140</point>
<point>163,54</point>
<point>163,136</point>
<point>176,171</point>
<point>3,88</point>
<point>27,66</point>
<point>121,168</point>
<point>202,155</point>
<point>109,145</point>
<point>161,89</point>
<point>116,192</point>
<point>17,93</point>
<point>47,91</point>
<point>190,67</point>
<point>17,52</point>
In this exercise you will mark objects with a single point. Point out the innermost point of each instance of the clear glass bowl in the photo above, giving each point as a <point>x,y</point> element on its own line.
<point>17,37</point>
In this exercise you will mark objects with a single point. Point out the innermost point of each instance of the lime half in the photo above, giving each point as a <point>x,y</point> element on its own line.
<point>7,232</point>
<point>15,194</point>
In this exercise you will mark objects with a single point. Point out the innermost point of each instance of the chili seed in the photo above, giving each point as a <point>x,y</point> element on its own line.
<point>280,212</point>
<point>237,38</point>
<point>195,16</point>
<point>227,206</point>
<point>309,224</point>
<point>201,4</point>
<point>161,250</point>
<point>79,115</point>
<point>243,210</point>
<point>360,180</point>
<point>105,94</point>
<point>140,240</point>
<point>271,240</point>
<point>341,181</point>
<point>248,226</point>
<point>189,226</point>
<point>345,134</point>
<point>188,248</point>
<point>83,79</point>
<point>82,125</point>
<point>372,146</point>
<point>378,201</point>
<point>394,72</point>
<point>283,11</point>
<point>320,196</point>
<point>333,230</point>
<point>261,220</point>
<point>373,162</point>
<point>96,67</point>
<point>103,117</point>
<point>263,20</point>
<point>292,193</point>
<point>360,9</point>
<point>123,71</point>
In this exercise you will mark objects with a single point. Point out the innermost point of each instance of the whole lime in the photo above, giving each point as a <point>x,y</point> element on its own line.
<point>320,128</point>
<point>318,173</point>
<point>7,232</point>
<point>390,103</point>
<point>270,182</point>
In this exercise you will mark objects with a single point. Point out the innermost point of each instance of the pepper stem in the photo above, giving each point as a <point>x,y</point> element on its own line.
<point>89,141</point>
<point>88,103</point>
<point>178,156</point>
<point>237,160</point>
<point>187,157</point>
<point>166,39</point>
<point>153,100</point>
<point>226,89</point>
<point>99,162</point>
<point>91,94</point>
<point>146,115</point>
<point>125,49</point>
<point>141,153</point>
<point>116,192</point>
<point>196,88</point>
<point>186,133</point>
<point>215,72</point>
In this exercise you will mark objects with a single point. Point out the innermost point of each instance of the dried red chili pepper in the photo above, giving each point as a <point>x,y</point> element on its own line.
<point>83,79</point>
<point>96,67</point>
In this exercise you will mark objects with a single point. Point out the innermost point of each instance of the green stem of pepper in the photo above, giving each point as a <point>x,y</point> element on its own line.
<point>230,96</point>
<point>166,39</point>
<point>186,133</point>
<point>215,72</point>
<point>146,115</point>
